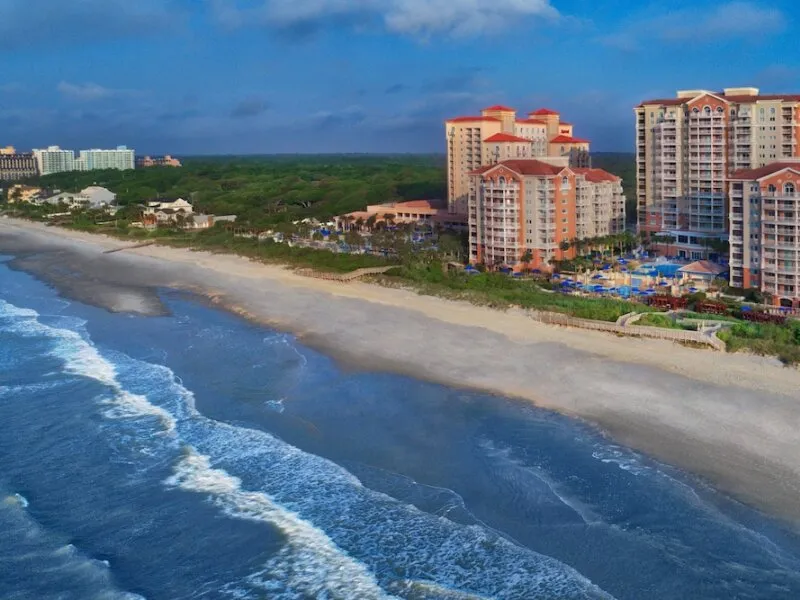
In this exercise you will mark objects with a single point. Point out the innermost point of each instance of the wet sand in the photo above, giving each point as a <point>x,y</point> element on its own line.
<point>734,419</point>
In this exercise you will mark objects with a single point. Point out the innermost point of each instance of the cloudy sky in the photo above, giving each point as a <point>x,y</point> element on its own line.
<point>266,76</point>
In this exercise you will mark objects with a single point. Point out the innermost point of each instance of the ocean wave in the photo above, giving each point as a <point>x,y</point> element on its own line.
<point>309,563</point>
<point>343,540</point>
<point>82,358</point>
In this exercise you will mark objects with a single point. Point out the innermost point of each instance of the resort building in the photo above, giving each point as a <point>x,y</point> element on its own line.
<point>54,160</point>
<point>158,161</point>
<point>497,135</point>
<point>121,158</point>
<point>686,148</point>
<point>93,197</point>
<point>527,212</point>
<point>419,212</point>
<point>14,167</point>
<point>765,231</point>
<point>166,212</point>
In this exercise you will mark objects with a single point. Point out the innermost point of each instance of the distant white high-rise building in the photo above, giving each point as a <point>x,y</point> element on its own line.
<point>54,160</point>
<point>121,158</point>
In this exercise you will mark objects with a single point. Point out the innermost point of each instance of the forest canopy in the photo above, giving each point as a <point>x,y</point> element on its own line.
<point>265,190</point>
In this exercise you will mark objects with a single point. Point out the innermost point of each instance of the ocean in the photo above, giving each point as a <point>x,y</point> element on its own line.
<point>197,455</point>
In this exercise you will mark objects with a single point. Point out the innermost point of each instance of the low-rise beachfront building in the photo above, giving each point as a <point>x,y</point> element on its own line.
<point>208,221</point>
<point>702,273</point>
<point>93,197</point>
<point>765,231</point>
<point>23,193</point>
<point>165,212</point>
<point>418,212</point>
<point>525,213</point>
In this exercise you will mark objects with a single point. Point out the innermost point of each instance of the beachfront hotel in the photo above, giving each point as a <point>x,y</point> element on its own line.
<point>686,148</point>
<point>15,165</point>
<point>496,135</point>
<point>121,158</point>
<point>765,231</point>
<point>522,211</point>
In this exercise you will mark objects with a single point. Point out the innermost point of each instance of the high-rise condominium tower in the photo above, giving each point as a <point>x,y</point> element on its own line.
<point>686,149</point>
<point>496,135</point>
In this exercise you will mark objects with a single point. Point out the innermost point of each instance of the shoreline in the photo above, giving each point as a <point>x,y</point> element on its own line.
<point>732,419</point>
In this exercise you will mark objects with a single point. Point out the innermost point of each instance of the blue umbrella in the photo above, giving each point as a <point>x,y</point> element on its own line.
<point>598,276</point>
<point>746,309</point>
<point>536,271</point>
<point>692,289</point>
<point>517,274</point>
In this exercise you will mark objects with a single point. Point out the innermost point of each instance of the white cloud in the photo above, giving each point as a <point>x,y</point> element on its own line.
<point>88,92</point>
<point>731,20</point>
<point>419,18</point>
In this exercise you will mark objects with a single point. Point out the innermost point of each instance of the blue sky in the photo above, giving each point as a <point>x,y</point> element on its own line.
<point>266,76</point>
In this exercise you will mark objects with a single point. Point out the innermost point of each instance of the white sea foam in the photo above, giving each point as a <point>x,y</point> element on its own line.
<point>309,563</point>
<point>82,358</point>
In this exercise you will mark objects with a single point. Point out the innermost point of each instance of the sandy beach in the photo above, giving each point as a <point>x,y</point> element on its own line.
<point>733,419</point>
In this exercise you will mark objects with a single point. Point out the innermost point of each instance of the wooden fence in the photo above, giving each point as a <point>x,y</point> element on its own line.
<point>675,335</point>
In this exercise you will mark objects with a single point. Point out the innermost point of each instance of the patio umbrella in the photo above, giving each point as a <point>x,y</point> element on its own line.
<point>692,290</point>
<point>598,276</point>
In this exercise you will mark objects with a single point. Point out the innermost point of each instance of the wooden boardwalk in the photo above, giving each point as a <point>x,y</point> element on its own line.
<point>343,277</point>
<point>675,335</point>
<point>142,245</point>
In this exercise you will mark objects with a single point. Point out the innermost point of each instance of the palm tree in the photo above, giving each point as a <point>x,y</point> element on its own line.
<point>526,259</point>
<point>371,220</point>
<point>564,246</point>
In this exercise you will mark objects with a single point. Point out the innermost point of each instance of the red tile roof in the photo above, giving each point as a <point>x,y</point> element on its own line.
<point>754,174</point>
<point>735,99</point>
<point>523,167</point>
<point>703,267</point>
<point>531,121</point>
<point>543,112</point>
<point>500,107</point>
<point>472,119</point>
<point>567,139</point>
<point>597,175</point>
<point>505,137</point>
<point>564,123</point>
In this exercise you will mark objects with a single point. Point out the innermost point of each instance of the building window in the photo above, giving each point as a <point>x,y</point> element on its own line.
<point>771,189</point>
<point>788,188</point>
